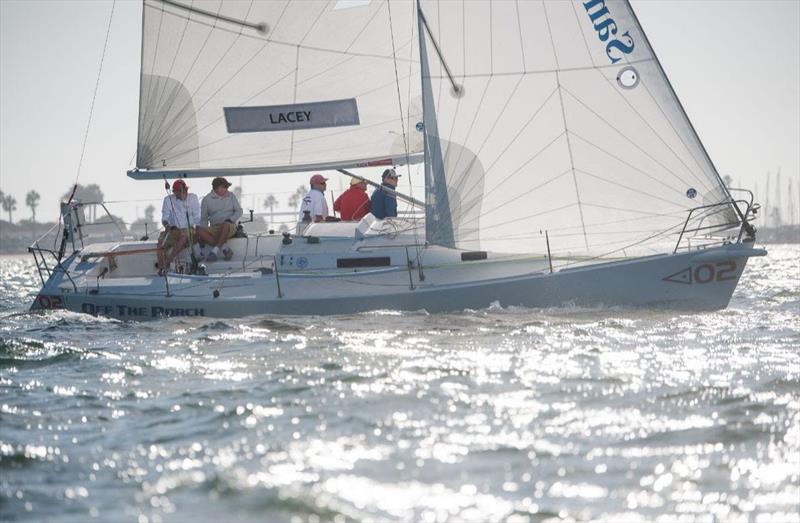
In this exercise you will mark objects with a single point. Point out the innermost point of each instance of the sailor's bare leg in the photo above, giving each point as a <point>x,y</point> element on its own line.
<point>222,234</point>
<point>177,248</point>
<point>204,235</point>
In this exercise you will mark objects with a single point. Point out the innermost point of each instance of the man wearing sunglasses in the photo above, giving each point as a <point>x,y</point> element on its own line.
<point>383,203</point>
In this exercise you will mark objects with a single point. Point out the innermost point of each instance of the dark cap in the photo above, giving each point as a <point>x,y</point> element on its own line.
<point>390,173</point>
<point>218,181</point>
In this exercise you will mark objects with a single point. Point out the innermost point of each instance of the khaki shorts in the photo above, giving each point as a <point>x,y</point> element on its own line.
<point>215,229</point>
<point>168,239</point>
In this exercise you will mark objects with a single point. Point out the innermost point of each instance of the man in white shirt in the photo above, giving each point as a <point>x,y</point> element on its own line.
<point>313,208</point>
<point>180,214</point>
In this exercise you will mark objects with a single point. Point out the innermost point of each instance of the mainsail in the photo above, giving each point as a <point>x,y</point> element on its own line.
<point>209,68</point>
<point>539,116</point>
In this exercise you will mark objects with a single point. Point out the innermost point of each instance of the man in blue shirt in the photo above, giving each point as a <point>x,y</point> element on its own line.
<point>383,203</point>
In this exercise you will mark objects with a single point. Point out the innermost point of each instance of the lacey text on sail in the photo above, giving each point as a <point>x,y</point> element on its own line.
<point>292,117</point>
<point>606,27</point>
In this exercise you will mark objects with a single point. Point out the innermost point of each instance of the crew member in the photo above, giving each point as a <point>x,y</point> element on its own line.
<point>314,208</point>
<point>353,204</point>
<point>220,210</point>
<point>384,202</point>
<point>180,214</point>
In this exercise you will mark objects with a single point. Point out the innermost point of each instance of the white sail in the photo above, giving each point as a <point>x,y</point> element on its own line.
<point>204,59</point>
<point>540,115</point>
<point>570,125</point>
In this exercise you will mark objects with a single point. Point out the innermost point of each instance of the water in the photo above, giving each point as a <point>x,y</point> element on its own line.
<point>491,415</point>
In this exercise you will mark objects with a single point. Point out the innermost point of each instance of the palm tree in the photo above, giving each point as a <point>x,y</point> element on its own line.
<point>270,202</point>
<point>149,213</point>
<point>9,205</point>
<point>32,201</point>
<point>298,195</point>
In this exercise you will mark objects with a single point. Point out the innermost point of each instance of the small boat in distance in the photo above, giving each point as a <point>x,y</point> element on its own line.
<point>559,166</point>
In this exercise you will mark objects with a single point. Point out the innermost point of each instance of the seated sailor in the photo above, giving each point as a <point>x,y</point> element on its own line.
<point>218,215</point>
<point>180,213</point>
<point>353,204</point>
<point>384,201</point>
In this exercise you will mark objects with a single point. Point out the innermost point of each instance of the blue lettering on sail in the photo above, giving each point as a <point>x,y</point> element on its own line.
<point>606,28</point>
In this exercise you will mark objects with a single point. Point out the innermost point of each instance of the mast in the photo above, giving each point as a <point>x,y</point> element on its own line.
<point>438,221</point>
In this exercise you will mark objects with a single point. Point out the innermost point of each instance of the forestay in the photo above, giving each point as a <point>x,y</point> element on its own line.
<point>561,120</point>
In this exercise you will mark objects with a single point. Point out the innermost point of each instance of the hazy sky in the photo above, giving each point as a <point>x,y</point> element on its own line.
<point>735,65</point>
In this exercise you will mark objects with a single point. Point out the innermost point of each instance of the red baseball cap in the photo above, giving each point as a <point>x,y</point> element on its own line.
<point>177,184</point>
<point>318,179</point>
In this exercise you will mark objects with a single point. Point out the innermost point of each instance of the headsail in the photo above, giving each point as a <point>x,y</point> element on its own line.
<point>571,126</point>
<point>321,76</point>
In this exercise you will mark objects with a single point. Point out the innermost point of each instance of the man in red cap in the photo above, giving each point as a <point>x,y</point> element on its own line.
<point>353,204</point>
<point>180,214</point>
<point>314,208</point>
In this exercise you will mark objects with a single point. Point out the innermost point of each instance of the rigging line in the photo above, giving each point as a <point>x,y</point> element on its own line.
<point>627,247</point>
<point>189,103</point>
<point>628,187</point>
<point>456,87</point>
<point>261,28</point>
<point>683,111</point>
<point>620,160</point>
<point>397,87</point>
<point>652,129</point>
<point>400,107</point>
<point>287,44</point>
<point>94,95</point>
<point>537,234</point>
<point>629,140</point>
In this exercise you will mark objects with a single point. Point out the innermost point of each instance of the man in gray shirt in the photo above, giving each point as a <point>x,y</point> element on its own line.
<point>221,210</point>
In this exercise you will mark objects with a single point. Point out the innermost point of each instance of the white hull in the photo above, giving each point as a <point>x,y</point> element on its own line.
<point>696,280</point>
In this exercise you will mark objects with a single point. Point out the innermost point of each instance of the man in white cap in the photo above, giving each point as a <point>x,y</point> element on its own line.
<point>314,208</point>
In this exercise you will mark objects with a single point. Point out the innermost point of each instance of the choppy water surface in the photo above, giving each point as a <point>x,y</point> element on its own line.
<point>492,415</point>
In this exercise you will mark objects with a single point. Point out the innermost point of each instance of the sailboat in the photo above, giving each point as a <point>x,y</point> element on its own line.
<point>559,166</point>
